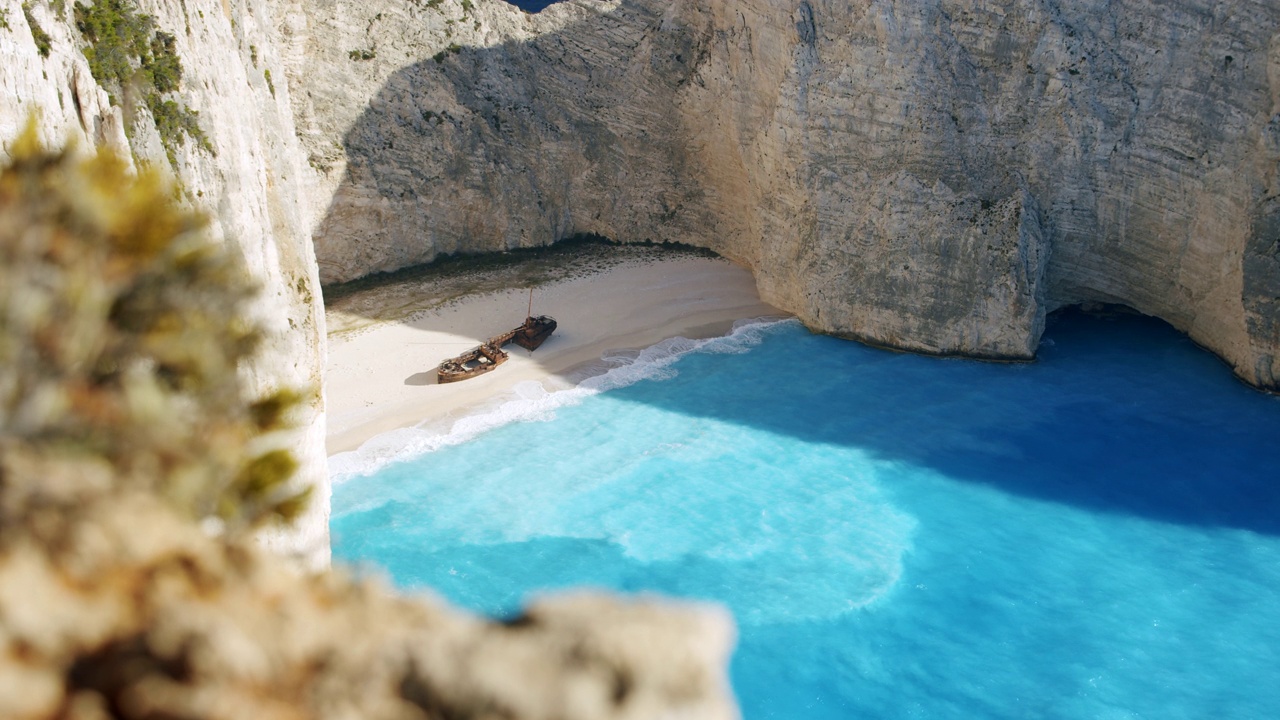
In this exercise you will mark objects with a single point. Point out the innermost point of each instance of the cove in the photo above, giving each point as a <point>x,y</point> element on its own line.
<point>1091,535</point>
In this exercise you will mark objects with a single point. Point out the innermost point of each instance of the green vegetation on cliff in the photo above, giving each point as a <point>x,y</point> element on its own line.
<point>122,333</point>
<point>131,58</point>
<point>44,43</point>
<point>453,49</point>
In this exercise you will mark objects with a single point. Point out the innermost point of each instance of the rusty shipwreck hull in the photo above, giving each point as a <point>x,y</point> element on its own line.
<point>486,357</point>
<point>534,331</point>
<point>473,363</point>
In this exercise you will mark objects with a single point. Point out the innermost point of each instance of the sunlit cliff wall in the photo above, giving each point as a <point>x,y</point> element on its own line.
<point>934,176</point>
<point>136,461</point>
<point>249,183</point>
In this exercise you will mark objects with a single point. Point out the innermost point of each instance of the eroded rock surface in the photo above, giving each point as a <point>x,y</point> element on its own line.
<point>250,182</point>
<point>119,609</point>
<point>136,462</point>
<point>931,175</point>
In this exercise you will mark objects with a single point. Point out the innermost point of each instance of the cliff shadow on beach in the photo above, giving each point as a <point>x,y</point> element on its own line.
<point>522,144</point>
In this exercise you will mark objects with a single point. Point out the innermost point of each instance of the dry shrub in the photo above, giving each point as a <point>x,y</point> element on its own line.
<point>122,330</point>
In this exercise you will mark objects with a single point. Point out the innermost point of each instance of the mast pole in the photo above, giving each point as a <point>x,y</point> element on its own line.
<point>530,313</point>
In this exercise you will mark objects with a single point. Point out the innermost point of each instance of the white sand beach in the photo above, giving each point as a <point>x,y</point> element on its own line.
<point>381,370</point>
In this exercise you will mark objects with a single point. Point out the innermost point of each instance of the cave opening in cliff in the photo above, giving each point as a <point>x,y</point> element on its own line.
<point>1109,312</point>
<point>533,6</point>
<point>1095,309</point>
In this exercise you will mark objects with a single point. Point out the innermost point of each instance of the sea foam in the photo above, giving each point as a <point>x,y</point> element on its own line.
<point>608,486</point>
<point>530,401</point>
<point>1092,535</point>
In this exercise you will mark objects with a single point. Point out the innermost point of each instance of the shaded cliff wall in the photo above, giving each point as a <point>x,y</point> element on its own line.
<point>128,432</point>
<point>934,176</point>
<point>250,185</point>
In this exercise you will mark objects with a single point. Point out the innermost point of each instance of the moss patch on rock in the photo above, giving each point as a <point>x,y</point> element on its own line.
<point>44,43</point>
<point>128,55</point>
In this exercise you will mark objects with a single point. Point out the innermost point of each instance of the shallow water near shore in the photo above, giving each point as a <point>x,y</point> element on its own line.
<point>1091,535</point>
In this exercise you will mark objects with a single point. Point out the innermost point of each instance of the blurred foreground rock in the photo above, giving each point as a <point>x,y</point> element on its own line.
<point>118,608</point>
<point>137,466</point>
<point>247,176</point>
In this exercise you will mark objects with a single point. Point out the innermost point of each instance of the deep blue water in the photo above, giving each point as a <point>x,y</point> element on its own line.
<point>1094,535</point>
<point>532,6</point>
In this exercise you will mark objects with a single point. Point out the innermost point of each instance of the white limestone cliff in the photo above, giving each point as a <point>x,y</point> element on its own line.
<point>251,186</point>
<point>934,176</point>
<point>114,604</point>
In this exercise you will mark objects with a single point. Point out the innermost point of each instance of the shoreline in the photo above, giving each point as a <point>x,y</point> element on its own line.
<point>380,373</point>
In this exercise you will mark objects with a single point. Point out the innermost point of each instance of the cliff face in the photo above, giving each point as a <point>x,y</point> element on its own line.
<point>934,176</point>
<point>249,181</point>
<point>136,458</point>
<point>931,176</point>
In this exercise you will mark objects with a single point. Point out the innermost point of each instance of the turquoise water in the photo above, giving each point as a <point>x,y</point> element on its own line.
<point>1094,535</point>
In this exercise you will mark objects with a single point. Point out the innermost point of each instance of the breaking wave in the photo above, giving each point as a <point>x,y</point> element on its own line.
<point>529,401</point>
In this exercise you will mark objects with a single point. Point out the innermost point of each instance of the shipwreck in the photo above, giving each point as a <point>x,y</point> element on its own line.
<point>489,355</point>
